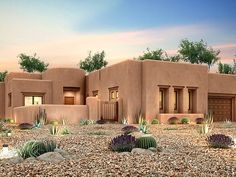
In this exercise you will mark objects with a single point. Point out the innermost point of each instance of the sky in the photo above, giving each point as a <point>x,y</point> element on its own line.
<point>62,32</point>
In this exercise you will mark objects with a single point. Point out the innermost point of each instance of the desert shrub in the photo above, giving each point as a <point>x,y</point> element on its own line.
<point>25,126</point>
<point>129,129</point>
<point>54,130</point>
<point>124,121</point>
<point>86,122</point>
<point>36,148</point>
<point>65,131</point>
<point>55,122</point>
<point>199,120</point>
<point>146,142</point>
<point>101,121</point>
<point>220,141</point>
<point>155,121</point>
<point>173,120</point>
<point>123,143</point>
<point>185,120</point>
<point>9,120</point>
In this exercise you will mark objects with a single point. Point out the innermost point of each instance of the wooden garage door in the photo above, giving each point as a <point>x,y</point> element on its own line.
<point>221,108</point>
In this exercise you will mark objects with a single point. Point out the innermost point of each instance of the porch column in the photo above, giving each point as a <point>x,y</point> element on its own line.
<point>185,100</point>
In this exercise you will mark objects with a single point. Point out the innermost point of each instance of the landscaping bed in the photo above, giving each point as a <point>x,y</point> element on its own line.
<point>184,152</point>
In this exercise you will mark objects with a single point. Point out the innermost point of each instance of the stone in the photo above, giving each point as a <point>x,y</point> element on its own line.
<point>64,153</point>
<point>15,160</point>
<point>141,151</point>
<point>31,160</point>
<point>53,157</point>
<point>153,149</point>
<point>125,153</point>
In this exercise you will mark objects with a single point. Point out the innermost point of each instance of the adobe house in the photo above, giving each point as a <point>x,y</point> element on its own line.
<point>155,88</point>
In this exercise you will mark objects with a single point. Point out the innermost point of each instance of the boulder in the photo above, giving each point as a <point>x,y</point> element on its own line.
<point>53,157</point>
<point>64,153</point>
<point>31,160</point>
<point>15,160</point>
<point>142,151</point>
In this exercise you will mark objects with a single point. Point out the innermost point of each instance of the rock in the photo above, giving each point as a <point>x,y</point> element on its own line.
<point>64,153</point>
<point>54,157</point>
<point>159,149</point>
<point>141,151</point>
<point>153,149</point>
<point>125,153</point>
<point>31,160</point>
<point>15,160</point>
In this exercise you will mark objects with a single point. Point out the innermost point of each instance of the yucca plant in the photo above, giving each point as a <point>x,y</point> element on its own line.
<point>143,124</point>
<point>54,130</point>
<point>207,124</point>
<point>40,118</point>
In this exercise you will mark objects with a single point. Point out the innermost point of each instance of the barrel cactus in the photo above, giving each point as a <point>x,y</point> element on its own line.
<point>146,142</point>
<point>123,143</point>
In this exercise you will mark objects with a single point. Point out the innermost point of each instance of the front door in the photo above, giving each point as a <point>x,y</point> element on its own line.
<point>221,108</point>
<point>69,100</point>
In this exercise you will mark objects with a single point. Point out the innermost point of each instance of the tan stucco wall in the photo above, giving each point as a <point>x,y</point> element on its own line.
<point>127,76</point>
<point>21,75</point>
<point>72,114</point>
<point>2,100</point>
<point>17,87</point>
<point>65,77</point>
<point>172,74</point>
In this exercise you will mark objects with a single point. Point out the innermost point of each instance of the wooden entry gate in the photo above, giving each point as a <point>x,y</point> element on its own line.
<point>109,110</point>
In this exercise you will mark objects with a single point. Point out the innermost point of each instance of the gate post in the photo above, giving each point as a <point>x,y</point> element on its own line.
<point>93,108</point>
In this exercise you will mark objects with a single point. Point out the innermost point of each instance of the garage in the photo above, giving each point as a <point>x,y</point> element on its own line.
<point>221,107</point>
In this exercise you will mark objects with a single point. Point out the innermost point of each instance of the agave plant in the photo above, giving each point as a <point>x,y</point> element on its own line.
<point>124,121</point>
<point>123,143</point>
<point>220,141</point>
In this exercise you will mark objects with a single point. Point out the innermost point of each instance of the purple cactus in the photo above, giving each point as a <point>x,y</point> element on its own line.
<point>220,141</point>
<point>123,143</point>
<point>173,120</point>
<point>199,120</point>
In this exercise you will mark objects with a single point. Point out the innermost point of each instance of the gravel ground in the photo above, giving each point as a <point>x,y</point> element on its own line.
<point>185,153</point>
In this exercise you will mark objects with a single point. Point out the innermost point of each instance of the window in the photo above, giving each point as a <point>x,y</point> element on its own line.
<point>176,94</point>
<point>95,93</point>
<point>113,93</point>
<point>9,100</point>
<point>190,100</point>
<point>161,100</point>
<point>33,100</point>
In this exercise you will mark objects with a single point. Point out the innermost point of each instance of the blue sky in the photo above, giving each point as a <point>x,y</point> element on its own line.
<point>63,31</point>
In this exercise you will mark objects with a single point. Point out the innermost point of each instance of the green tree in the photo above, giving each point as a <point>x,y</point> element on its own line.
<point>32,63</point>
<point>93,62</point>
<point>225,68</point>
<point>158,54</point>
<point>198,52</point>
<point>2,76</point>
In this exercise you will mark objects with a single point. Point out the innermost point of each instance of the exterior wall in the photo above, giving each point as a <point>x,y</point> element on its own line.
<point>65,77</point>
<point>20,75</point>
<point>223,85</point>
<point>72,114</point>
<point>2,100</point>
<point>163,118</point>
<point>127,76</point>
<point>17,87</point>
<point>157,73</point>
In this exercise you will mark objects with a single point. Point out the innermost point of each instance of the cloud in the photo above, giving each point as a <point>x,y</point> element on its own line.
<point>69,48</point>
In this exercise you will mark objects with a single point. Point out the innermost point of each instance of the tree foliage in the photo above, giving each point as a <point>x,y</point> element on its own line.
<point>93,62</point>
<point>32,63</point>
<point>158,54</point>
<point>225,68</point>
<point>198,52</point>
<point>2,76</point>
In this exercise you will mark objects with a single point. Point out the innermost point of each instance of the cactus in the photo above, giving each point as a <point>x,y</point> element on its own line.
<point>146,142</point>
<point>123,143</point>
